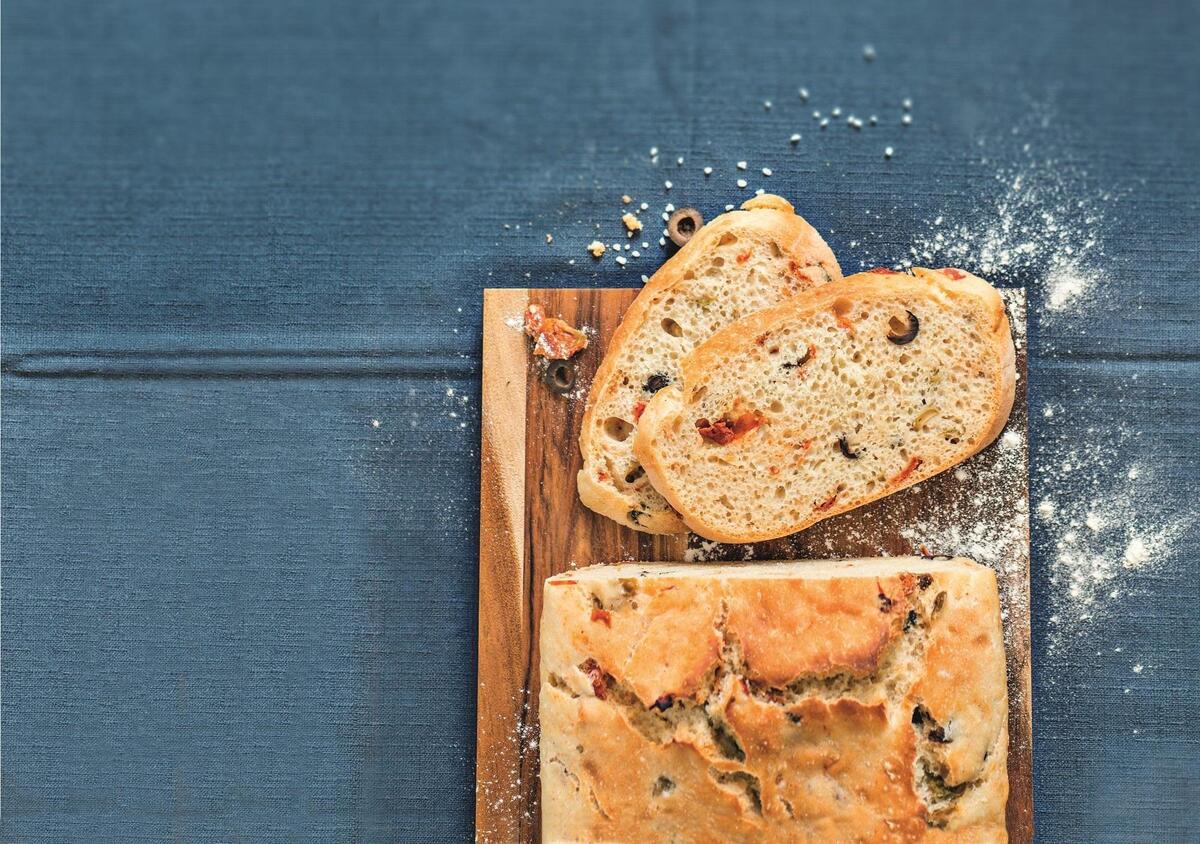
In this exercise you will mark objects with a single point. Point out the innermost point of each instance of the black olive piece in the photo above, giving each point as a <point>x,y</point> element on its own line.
<point>655,383</point>
<point>634,473</point>
<point>903,335</point>
<point>910,619</point>
<point>885,603</point>
<point>803,359</point>
<point>794,718</point>
<point>683,224</point>
<point>663,703</point>
<point>559,376</point>
<point>925,581</point>
<point>845,447</point>
<point>634,515</point>
<point>919,715</point>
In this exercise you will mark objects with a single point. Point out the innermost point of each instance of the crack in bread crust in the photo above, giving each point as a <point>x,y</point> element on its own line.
<point>889,683</point>
<point>875,741</point>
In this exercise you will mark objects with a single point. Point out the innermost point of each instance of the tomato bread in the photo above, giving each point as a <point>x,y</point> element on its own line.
<point>835,398</point>
<point>741,262</point>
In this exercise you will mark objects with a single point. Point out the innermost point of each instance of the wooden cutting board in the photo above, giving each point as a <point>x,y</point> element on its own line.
<point>531,526</point>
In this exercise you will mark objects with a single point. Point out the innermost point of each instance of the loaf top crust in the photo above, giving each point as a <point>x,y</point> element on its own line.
<point>823,701</point>
<point>740,262</point>
<point>841,395</point>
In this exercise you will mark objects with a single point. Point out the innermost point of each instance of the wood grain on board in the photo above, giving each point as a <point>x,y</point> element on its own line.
<point>532,526</point>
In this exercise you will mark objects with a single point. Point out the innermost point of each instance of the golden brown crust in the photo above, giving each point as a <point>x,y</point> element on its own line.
<point>948,284</point>
<point>716,703</point>
<point>775,220</point>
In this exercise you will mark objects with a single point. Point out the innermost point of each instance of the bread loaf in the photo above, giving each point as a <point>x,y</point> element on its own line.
<point>837,397</point>
<point>739,263</point>
<point>806,701</point>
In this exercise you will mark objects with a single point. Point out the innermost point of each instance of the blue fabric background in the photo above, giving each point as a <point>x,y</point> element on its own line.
<point>235,233</point>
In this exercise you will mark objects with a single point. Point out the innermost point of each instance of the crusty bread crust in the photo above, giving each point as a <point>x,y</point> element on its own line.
<point>665,410</point>
<point>858,700</point>
<point>770,218</point>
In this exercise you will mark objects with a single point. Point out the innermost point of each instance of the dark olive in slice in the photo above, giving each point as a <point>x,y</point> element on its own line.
<point>902,333</point>
<point>803,359</point>
<point>655,383</point>
<point>683,224</point>
<point>845,447</point>
<point>559,376</point>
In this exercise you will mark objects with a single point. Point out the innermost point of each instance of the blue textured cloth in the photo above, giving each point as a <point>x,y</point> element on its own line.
<point>234,234</point>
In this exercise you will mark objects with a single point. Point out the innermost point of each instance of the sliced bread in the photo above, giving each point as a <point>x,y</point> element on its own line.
<point>741,262</point>
<point>836,398</point>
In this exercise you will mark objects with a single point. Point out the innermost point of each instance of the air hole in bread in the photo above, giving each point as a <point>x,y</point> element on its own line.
<point>617,428</point>
<point>841,307</point>
<point>727,239</point>
<point>672,327</point>
<point>777,406</point>
<point>698,394</point>
<point>717,262</point>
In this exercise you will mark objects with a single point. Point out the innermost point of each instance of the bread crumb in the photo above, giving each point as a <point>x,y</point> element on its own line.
<point>632,223</point>
<point>626,199</point>
<point>596,248</point>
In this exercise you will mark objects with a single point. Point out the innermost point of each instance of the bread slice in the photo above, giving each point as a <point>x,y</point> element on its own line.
<point>857,700</point>
<point>739,263</point>
<point>838,397</point>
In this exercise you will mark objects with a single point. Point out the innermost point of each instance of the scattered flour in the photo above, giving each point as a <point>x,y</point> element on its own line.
<point>1040,227</point>
<point>1066,285</point>
<point>1117,527</point>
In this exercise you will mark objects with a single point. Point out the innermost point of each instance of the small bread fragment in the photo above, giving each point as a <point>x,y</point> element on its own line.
<point>739,263</point>
<point>858,700</point>
<point>831,400</point>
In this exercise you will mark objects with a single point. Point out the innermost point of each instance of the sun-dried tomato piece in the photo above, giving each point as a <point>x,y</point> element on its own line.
<point>883,271</point>
<point>592,669</point>
<point>602,615</point>
<point>638,408</point>
<point>725,431</point>
<point>953,273</point>
<point>907,470</point>
<point>743,258</point>
<point>552,337</point>
<point>825,505</point>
